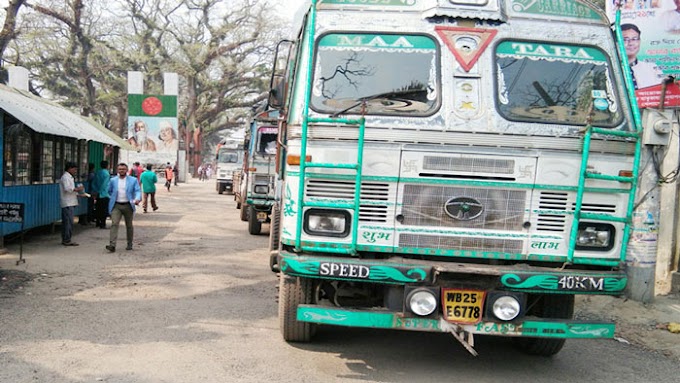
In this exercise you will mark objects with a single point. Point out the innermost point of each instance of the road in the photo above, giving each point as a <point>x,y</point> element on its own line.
<point>196,302</point>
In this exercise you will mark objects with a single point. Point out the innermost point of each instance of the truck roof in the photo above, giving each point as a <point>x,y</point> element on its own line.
<point>494,10</point>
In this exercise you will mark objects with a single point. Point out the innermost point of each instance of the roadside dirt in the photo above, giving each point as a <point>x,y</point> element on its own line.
<point>645,325</point>
<point>194,281</point>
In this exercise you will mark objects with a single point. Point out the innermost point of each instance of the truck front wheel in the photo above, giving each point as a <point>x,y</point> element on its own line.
<point>244,212</point>
<point>294,291</point>
<point>254,226</point>
<point>546,306</point>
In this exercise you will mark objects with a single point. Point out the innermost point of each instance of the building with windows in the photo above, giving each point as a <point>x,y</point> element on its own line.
<point>37,138</point>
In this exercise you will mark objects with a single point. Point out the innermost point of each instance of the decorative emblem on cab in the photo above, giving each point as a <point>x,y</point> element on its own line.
<point>463,208</point>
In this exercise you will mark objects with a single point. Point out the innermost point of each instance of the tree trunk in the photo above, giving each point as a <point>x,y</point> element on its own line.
<point>9,29</point>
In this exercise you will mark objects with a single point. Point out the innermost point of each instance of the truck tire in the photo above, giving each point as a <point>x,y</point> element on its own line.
<point>274,232</point>
<point>294,291</point>
<point>220,189</point>
<point>244,213</point>
<point>546,306</point>
<point>254,226</point>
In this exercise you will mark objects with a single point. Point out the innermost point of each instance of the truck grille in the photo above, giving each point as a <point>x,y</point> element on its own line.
<point>374,196</point>
<point>460,243</point>
<point>423,205</point>
<point>551,204</point>
<point>555,207</point>
<point>474,165</point>
<point>263,179</point>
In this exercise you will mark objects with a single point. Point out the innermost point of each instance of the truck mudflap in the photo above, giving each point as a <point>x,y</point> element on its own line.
<point>528,327</point>
<point>397,270</point>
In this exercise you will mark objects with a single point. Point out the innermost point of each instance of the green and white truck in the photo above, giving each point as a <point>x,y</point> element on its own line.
<point>459,166</point>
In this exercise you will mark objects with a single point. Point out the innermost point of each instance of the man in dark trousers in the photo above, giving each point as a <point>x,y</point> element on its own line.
<point>100,191</point>
<point>125,196</point>
<point>86,219</point>
<point>68,198</point>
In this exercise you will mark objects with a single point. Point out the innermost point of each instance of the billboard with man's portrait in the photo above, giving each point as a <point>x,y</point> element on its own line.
<point>153,128</point>
<point>651,35</point>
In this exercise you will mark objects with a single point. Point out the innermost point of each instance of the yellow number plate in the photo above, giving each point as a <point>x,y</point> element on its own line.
<point>261,216</point>
<point>463,306</point>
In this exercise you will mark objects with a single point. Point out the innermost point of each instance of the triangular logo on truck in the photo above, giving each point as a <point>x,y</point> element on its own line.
<point>466,44</point>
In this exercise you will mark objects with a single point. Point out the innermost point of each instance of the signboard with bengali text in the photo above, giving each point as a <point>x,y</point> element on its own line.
<point>11,212</point>
<point>655,51</point>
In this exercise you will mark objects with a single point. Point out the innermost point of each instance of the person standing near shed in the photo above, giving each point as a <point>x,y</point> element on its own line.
<point>86,219</point>
<point>100,191</point>
<point>125,195</point>
<point>68,198</point>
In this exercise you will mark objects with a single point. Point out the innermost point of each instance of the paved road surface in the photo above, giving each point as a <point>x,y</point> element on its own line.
<point>195,302</point>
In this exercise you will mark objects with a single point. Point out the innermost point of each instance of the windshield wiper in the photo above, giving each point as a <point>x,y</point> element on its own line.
<point>385,95</point>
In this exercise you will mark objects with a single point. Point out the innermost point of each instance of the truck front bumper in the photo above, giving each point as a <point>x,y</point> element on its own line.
<point>399,270</point>
<point>539,328</point>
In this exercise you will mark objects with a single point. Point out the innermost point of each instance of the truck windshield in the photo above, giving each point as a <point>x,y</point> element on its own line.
<point>266,140</point>
<point>548,83</point>
<point>227,157</point>
<point>385,74</point>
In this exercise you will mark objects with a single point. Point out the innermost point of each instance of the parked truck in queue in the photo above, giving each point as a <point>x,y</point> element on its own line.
<point>452,168</point>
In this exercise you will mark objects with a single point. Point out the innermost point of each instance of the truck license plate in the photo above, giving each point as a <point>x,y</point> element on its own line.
<point>463,306</point>
<point>261,216</point>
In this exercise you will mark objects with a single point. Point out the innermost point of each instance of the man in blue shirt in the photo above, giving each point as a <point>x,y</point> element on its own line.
<point>125,194</point>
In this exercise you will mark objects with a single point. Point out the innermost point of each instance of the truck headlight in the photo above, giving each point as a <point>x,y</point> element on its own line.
<point>332,223</point>
<point>595,236</point>
<point>505,305</point>
<point>422,302</point>
<point>506,308</point>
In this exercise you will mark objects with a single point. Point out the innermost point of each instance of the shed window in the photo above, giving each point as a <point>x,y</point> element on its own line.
<point>18,154</point>
<point>48,175</point>
<point>83,153</point>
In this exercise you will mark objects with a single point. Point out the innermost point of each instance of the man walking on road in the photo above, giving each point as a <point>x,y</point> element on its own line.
<point>100,191</point>
<point>149,180</point>
<point>68,198</point>
<point>168,176</point>
<point>136,171</point>
<point>125,195</point>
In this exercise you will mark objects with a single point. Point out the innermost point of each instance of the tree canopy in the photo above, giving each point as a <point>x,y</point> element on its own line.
<point>79,53</point>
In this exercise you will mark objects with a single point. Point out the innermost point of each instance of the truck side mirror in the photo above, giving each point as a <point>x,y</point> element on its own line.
<point>278,83</point>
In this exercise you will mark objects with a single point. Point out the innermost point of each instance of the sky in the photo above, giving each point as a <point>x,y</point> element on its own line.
<point>288,7</point>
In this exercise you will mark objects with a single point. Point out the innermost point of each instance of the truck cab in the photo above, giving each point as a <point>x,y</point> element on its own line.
<point>228,159</point>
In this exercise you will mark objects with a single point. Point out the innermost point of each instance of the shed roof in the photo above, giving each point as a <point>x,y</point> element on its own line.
<point>46,117</point>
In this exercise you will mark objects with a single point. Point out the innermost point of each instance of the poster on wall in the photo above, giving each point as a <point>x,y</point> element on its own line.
<point>651,35</point>
<point>153,129</point>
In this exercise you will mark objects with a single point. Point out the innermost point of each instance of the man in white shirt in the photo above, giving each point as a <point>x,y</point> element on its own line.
<point>68,199</point>
<point>645,74</point>
<point>125,195</point>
